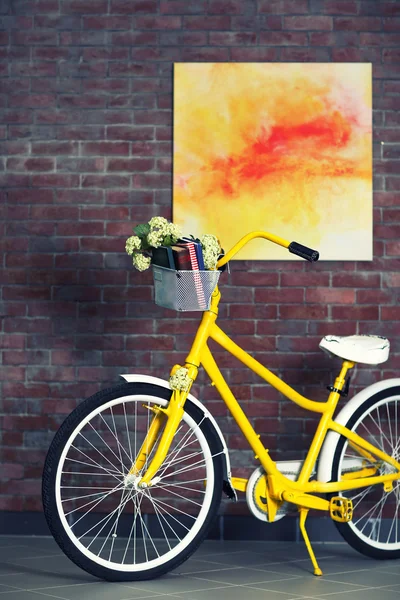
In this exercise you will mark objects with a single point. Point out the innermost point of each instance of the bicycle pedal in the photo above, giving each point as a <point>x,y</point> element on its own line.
<point>341,509</point>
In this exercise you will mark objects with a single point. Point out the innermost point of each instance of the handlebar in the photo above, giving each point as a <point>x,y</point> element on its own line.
<point>293,247</point>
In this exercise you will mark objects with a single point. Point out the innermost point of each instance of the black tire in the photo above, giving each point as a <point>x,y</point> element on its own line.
<point>147,562</point>
<point>387,404</point>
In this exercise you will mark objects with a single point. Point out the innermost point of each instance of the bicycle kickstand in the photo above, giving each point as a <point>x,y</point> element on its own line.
<point>303,516</point>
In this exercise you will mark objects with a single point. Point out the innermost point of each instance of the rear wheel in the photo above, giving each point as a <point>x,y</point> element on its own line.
<point>94,508</point>
<point>375,527</point>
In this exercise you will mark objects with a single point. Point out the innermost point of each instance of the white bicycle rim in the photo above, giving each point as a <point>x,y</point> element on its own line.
<point>389,441</point>
<point>205,461</point>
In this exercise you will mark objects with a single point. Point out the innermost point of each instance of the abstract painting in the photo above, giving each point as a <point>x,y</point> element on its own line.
<point>280,147</point>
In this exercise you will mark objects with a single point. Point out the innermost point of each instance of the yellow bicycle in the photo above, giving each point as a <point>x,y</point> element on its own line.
<point>134,476</point>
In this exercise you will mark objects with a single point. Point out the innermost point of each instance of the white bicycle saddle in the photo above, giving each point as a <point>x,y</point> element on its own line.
<point>368,349</point>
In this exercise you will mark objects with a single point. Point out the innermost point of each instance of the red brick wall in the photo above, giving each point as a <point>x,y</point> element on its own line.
<point>85,129</point>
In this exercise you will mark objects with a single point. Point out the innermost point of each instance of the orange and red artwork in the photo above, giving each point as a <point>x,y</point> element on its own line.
<point>280,147</point>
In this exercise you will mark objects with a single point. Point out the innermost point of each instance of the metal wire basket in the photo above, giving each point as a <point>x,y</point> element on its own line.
<point>184,290</point>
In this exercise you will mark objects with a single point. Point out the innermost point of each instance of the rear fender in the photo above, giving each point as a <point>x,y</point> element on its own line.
<point>228,488</point>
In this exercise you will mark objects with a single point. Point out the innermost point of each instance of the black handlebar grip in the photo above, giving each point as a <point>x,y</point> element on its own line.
<point>304,252</point>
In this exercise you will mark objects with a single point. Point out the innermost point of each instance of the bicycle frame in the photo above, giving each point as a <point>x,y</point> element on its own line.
<point>280,487</point>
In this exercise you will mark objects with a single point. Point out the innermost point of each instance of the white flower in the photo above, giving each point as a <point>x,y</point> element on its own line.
<point>158,223</point>
<point>141,262</point>
<point>180,380</point>
<point>211,250</point>
<point>133,243</point>
<point>174,231</point>
<point>155,238</point>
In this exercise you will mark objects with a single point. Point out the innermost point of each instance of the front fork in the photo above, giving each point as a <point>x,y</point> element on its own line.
<point>168,418</point>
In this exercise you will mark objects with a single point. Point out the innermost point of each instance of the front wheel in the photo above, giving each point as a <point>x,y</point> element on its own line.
<point>98,515</point>
<point>375,527</point>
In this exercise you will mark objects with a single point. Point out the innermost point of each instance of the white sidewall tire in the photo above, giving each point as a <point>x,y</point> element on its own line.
<point>57,522</point>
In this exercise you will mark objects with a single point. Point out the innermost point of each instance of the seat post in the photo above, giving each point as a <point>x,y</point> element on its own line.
<point>340,381</point>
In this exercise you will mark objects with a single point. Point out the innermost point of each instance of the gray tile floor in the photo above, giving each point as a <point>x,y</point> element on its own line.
<point>33,567</point>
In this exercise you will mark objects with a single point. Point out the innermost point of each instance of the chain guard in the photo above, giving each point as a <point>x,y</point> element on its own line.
<point>257,490</point>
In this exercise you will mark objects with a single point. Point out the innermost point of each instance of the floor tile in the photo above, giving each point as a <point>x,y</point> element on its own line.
<point>8,588</point>
<point>192,567</point>
<point>172,584</point>
<point>32,579</point>
<point>365,594</point>
<point>96,591</point>
<point>25,595</point>
<point>369,578</point>
<point>241,576</point>
<point>315,587</point>
<point>237,593</point>
<point>60,565</point>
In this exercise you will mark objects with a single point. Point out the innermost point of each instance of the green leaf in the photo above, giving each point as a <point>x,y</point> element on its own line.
<point>167,241</point>
<point>142,230</point>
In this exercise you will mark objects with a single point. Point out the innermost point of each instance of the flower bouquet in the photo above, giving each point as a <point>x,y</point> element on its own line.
<point>160,233</point>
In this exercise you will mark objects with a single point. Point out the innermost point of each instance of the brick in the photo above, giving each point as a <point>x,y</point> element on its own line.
<point>31,196</point>
<point>55,21</point>
<point>357,23</point>
<point>105,181</point>
<point>106,22</point>
<point>33,69</point>
<point>81,165</point>
<point>130,164</point>
<point>84,6</point>
<point>32,100</point>
<point>284,38</point>
<point>375,297</point>
<point>27,38</point>
<point>109,213</point>
<point>14,180</point>
<point>30,164</point>
<point>164,54</point>
<point>105,148</point>
<point>390,8</point>
<point>55,180</point>
<point>83,101</point>
<point>54,53</point>
<point>9,148</point>
<point>391,24</point>
<point>133,6</point>
<point>232,38</point>
<point>308,23</point>
<point>356,280</point>
<point>111,86</point>
<point>25,293</point>
<point>16,116</point>
<point>57,213</point>
<point>161,22</point>
<point>356,313</point>
<point>391,56</point>
<point>130,133</point>
<point>295,7</point>
<point>106,53</point>
<point>253,54</point>
<point>55,148</point>
<point>379,39</point>
<point>131,69</point>
<point>340,7</point>
<point>224,7</point>
<point>83,132</point>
